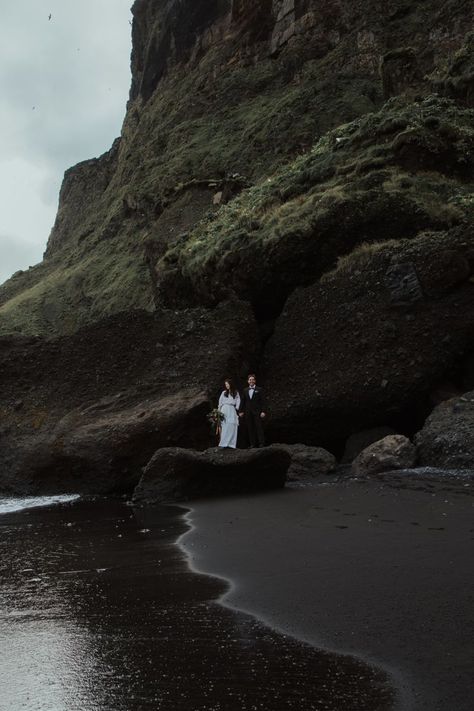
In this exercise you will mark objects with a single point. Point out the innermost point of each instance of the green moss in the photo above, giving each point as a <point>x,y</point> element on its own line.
<point>66,298</point>
<point>357,184</point>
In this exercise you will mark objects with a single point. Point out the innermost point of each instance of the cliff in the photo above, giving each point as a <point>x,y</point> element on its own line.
<point>275,156</point>
<point>223,95</point>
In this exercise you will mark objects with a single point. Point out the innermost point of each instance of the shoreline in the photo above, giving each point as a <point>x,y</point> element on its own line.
<point>269,549</point>
<point>104,588</point>
<point>403,698</point>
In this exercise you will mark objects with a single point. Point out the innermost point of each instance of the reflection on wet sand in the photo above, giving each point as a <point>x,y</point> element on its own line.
<point>101,613</point>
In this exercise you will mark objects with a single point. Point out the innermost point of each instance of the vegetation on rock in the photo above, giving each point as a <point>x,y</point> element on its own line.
<point>387,175</point>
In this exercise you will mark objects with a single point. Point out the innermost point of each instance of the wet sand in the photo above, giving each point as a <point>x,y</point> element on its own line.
<point>383,571</point>
<point>99,611</point>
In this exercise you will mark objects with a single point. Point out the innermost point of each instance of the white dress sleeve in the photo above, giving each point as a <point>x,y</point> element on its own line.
<point>237,401</point>
<point>221,399</point>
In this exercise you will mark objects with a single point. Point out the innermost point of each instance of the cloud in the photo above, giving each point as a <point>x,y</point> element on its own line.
<point>28,204</point>
<point>64,86</point>
<point>15,252</point>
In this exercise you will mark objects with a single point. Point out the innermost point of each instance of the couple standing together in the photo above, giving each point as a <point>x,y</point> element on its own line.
<point>249,409</point>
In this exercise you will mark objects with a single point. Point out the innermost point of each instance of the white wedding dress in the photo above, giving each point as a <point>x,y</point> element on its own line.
<point>229,407</point>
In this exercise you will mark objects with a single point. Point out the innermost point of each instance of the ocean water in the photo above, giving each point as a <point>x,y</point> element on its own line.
<point>99,611</point>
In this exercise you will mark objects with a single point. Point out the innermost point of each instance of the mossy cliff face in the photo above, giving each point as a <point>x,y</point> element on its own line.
<point>387,175</point>
<point>291,193</point>
<point>223,95</point>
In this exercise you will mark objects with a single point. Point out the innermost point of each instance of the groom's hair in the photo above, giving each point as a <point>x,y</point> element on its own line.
<point>251,375</point>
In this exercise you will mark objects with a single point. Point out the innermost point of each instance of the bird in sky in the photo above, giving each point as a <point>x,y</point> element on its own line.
<point>50,16</point>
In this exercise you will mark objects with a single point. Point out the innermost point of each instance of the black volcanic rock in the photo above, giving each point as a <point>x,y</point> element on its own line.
<point>165,34</point>
<point>344,356</point>
<point>96,405</point>
<point>99,449</point>
<point>175,474</point>
<point>447,437</point>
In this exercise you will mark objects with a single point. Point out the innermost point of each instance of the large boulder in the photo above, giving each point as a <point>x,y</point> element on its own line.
<point>358,441</point>
<point>308,462</point>
<point>446,440</point>
<point>391,452</point>
<point>174,474</point>
<point>369,341</point>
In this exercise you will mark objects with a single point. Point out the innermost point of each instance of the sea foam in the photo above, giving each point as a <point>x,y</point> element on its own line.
<point>11,504</point>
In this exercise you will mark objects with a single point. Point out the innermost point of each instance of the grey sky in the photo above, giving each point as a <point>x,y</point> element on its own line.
<point>64,84</point>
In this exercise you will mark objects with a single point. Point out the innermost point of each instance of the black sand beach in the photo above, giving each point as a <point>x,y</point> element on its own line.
<point>100,612</point>
<point>380,570</point>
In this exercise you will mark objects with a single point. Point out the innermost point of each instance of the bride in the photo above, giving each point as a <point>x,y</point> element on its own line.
<point>229,403</point>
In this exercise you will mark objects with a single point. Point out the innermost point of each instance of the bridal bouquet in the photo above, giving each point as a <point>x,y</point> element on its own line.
<point>216,418</point>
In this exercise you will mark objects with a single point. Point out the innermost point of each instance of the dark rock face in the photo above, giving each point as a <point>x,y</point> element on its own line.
<point>100,448</point>
<point>400,70</point>
<point>171,31</point>
<point>344,356</point>
<point>83,186</point>
<point>174,474</point>
<point>447,437</point>
<point>96,405</point>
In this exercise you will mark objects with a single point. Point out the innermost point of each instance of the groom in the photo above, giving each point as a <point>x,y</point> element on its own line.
<point>253,413</point>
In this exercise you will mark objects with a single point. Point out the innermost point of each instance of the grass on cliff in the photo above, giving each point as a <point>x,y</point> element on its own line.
<point>66,298</point>
<point>389,174</point>
<point>251,120</point>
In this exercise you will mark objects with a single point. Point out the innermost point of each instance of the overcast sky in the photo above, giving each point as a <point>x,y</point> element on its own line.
<point>64,84</point>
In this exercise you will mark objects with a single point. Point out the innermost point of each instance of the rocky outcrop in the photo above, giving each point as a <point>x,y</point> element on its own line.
<point>446,440</point>
<point>358,441</point>
<point>361,354</point>
<point>86,412</point>
<point>101,448</point>
<point>363,183</point>
<point>308,462</point>
<point>392,452</point>
<point>175,475</point>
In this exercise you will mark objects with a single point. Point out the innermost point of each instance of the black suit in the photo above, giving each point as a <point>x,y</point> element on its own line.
<point>252,407</point>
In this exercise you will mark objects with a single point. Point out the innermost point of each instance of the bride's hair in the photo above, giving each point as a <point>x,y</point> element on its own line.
<point>232,389</point>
